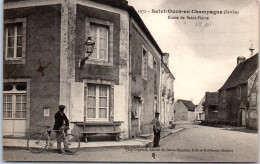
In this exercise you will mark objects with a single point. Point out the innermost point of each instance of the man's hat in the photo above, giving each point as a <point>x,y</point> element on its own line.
<point>157,113</point>
<point>61,106</point>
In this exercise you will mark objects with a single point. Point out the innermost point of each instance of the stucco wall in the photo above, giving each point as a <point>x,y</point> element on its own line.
<point>181,112</point>
<point>191,116</point>
<point>116,70</point>
<point>94,71</point>
<point>252,120</point>
<point>42,43</point>
<point>140,87</point>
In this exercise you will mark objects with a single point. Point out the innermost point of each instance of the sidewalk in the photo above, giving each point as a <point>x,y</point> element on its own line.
<point>138,142</point>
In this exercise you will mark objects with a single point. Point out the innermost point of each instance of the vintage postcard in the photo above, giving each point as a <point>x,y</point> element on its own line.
<point>130,80</point>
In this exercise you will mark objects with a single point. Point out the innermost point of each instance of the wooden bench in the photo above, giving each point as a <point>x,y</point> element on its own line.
<point>113,133</point>
<point>100,128</point>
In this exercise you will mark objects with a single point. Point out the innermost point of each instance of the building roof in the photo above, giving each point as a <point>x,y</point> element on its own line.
<point>242,73</point>
<point>189,104</point>
<point>211,98</point>
<point>167,70</point>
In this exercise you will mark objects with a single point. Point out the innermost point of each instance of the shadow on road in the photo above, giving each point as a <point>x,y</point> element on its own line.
<point>241,129</point>
<point>231,128</point>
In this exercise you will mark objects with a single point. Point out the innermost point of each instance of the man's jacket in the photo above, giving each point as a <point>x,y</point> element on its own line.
<point>156,124</point>
<point>60,119</point>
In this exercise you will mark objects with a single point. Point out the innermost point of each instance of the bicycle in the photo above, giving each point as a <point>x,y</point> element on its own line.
<point>39,142</point>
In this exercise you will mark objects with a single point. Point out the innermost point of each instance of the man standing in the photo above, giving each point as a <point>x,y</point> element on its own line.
<point>60,121</point>
<point>156,129</point>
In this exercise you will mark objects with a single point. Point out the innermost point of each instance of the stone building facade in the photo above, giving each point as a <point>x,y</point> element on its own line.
<point>184,110</point>
<point>200,110</point>
<point>119,86</point>
<point>166,91</point>
<point>233,99</point>
<point>252,117</point>
<point>211,107</point>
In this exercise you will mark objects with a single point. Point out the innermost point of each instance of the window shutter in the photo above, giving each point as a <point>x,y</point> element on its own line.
<point>119,102</point>
<point>77,102</point>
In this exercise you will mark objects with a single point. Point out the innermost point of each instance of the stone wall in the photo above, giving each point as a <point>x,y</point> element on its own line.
<point>42,44</point>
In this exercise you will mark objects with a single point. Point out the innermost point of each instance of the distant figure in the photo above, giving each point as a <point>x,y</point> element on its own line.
<point>172,120</point>
<point>172,124</point>
<point>156,130</point>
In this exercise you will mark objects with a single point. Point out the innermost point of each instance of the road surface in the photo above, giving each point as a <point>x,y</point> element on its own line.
<point>195,143</point>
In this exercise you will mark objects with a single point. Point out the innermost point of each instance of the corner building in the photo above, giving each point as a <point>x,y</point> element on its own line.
<point>118,87</point>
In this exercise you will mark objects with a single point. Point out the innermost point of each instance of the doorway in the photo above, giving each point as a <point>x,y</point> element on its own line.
<point>15,102</point>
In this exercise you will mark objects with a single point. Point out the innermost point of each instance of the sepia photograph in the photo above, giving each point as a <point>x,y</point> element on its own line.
<point>130,81</point>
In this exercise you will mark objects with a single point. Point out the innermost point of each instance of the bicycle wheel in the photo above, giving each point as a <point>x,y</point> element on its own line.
<point>37,143</point>
<point>71,144</point>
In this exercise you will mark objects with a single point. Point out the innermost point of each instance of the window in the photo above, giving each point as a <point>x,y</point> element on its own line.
<point>97,102</point>
<point>100,35</point>
<point>101,32</point>
<point>168,82</point>
<point>239,92</point>
<point>162,77</point>
<point>171,85</point>
<point>155,71</point>
<point>15,40</point>
<point>155,65</point>
<point>144,63</point>
<point>14,100</point>
<point>136,103</point>
<point>166,79</point>
<point>223,95</point>
<point>155,107</point>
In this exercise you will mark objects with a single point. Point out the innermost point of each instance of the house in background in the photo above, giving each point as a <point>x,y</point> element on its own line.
<point>199,110</point>
<point>234,95</point>
<point>118,88</point>
<point>167,92</point>
<point>211,107</point>
<point>184,110</point>
<point>151,81</point>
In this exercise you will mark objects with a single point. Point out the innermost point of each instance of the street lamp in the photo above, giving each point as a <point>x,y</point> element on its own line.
<point>89,47</point>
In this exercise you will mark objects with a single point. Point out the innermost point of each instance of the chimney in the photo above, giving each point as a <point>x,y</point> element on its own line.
<point>251,49</point>
<point>166,58</point>
<point>240,59</point>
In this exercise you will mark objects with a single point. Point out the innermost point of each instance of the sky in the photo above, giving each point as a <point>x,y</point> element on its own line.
<point>203,53</point>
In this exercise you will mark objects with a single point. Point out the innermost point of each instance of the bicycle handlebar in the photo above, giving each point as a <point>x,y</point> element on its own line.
<point>64,127</point>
